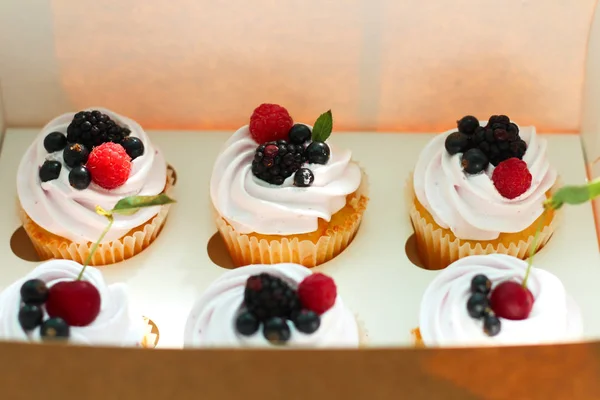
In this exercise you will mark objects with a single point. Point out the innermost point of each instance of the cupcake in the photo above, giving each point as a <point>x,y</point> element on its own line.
<point>55,302</point>
<point>493,300</point>
<point>283,306</point>
<point>480,190</point>
<point>283,192</point>
<point>83,160</point>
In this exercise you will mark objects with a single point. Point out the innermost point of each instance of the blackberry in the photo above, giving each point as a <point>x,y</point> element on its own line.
<point>499,140</point>
<point>92,128</point>
<point>274,162</point>
<point>267,296</point>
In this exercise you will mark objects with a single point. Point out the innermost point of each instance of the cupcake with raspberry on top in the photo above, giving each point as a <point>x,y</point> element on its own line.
<point>284,193</point>
<point>83,160</point>
<point>480,190</point>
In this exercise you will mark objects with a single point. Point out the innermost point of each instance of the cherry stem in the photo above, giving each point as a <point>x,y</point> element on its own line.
<point>534,244</point>
<point>109,216</point>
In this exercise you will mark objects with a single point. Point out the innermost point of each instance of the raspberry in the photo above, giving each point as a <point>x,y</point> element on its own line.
<point>270,122</point>
<point>267,296</point>
<point>317,293</point>
<point>512,178</point>
<point>274,162</point>
<point>109,165</point>
<point>92,128</point>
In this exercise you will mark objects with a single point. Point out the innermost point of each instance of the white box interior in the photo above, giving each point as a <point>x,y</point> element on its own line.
<point>374,275</point>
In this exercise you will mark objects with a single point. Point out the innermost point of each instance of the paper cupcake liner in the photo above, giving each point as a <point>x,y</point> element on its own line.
<point>363,334</point>
<point>246,249</point>
<point>151,334</point>
<point>438,250</point>
<point>49,246</point>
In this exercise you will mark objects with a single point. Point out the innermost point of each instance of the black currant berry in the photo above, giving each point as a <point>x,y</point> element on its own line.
<point>304,177</point>
<point>468,124</point>
<point>55,141</point>
<point>491,325</point>
<point>55,328</point>
<point>34,291</point>
<point>474,161</point>
<point>477,305</point>
<point>133,146</point>
<point>481,284</point>
<point>307,321</point>
<point>50,170</point>
<point>299,134</point>
<point>246,323</point>
<point>276,330</point>
<point>80,177</point>
<point>318,153</point>
<point>30,316</point>
<point>457,142</point>
<point>75,155</point>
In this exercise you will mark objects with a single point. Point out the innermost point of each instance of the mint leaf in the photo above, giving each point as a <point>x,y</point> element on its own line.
<point>323,127</point>
<point>130,205</point>
<point>575,194</point>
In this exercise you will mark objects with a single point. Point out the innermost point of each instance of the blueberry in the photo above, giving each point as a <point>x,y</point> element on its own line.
<point>75,155</point>
<point>457,142</point>
<point>318,153</point>
<point>477,305</point>
<point>491,325</point>
<point>474,161</point>
<point>30,316</point>
<point>246,323</point>
<point>54,328</point>
<point>133,146</point>
<point>34,291</point>
<point>304,177</point>
<point>276,330</point>
<point>468,124</point>
<point>50,170</point>
<point>481,284</point>
<point>55,141</point>
<point>80,177</point>
<point>307,321</point>
<point>299,134</point>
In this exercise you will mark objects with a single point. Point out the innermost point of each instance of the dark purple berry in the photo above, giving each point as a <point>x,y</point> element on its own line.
<point>474,161</point>
<point>30,316</point>
<point>274,162</point>
<point>50,170</point>
<point>75,154</point>
<point>304,177</point>
<point>80,177</point>
<point>477,305</point>
<point>468,124</point>
<point>92,128</point>
<point>246,323</point>
<point>318,153</point>
<point>277,331</point>
<point>272,150</point>
<point>133,146</point>
<point>299,134</point>
<point>34,291</point>
<point>55,141</point>
<point>457,142</point>
<point>481,284</point>
<point>55,328</point>
<point>491,324</point>
<point>267,296</point>
<point>307,321</point>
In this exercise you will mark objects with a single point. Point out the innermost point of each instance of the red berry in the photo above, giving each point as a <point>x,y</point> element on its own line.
<point>109,165</point>
<point>511,300</point>
<point>512,178</point>
<point>270,122</point>
<point>77,302</point>
<point>317,293</point>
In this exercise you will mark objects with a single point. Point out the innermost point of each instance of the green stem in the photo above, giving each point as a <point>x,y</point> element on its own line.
<point>111,219</point>
<point>534,244</point>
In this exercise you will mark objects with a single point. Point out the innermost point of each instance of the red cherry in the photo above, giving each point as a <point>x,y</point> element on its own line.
<point>511,300</point>
<point>77,302</point>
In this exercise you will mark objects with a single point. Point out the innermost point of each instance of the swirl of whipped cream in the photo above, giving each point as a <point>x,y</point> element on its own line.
<point>252,205</point>
<point>444,320</point>
<point>113,326</point>
<point>470,205</point>
<point>211,322</point>
<point>70,213</point>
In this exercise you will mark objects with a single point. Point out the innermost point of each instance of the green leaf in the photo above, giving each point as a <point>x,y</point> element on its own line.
<point>130,205</point>
<point>323,127</point>
<point>574,194</point>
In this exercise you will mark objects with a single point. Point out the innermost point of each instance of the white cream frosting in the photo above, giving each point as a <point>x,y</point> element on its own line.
<point>70,213</point>
<point>211,322</point>
<point>444,320</point>
<point>114,326</point>
<point>470,205</point>
<point>252,205</point>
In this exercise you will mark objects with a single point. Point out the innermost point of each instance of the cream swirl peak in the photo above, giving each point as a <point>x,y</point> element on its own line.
<point>219,319</point>
<point>64,210</point>
<point>113,325</point>
<point>445,321</point>
<point>470,205</point>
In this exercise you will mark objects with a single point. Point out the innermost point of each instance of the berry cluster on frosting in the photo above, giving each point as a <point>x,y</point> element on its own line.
<point>498,143</point>
<point>95,148</point>
<point>284,147</point>
<point>272,302</point>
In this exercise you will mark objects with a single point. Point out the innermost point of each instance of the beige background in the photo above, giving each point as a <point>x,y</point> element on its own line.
<point>379,64</point>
